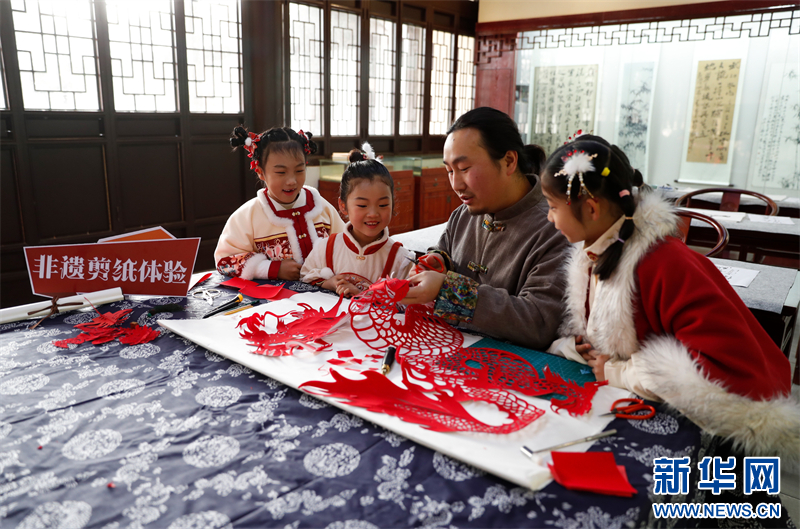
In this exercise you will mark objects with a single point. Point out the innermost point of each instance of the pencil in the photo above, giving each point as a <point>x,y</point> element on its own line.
<point>243,307</point>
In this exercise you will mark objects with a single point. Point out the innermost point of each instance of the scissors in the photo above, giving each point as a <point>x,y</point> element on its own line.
<point>429,261</point>
<point>628,411</point>
<point>208,294</point>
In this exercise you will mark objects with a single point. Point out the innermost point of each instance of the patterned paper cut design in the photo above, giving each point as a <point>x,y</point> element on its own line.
<point>375,321</point>
<point>306,330</point>
<point>483,367</point>
<point>436,411</point>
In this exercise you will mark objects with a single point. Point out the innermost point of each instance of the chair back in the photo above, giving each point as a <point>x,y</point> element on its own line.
<point>685,223</point>
<point>730,199</point>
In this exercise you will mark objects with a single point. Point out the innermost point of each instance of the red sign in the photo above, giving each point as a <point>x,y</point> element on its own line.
<point>160,268</point>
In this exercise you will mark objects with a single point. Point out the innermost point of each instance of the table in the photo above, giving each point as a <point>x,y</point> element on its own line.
<point>167,434</point>
<point>787,207</point>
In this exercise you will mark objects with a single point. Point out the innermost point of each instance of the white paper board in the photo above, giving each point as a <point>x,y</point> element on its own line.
<point>496,454</point>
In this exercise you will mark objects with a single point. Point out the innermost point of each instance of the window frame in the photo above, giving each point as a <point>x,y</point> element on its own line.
<point>458,19</point>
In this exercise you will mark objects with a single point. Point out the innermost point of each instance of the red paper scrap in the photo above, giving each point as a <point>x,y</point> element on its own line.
<point>347,353</point>
<point>591,471</point>
<point>236,282</point>
<point>139,335</point>
<point>254,290</point>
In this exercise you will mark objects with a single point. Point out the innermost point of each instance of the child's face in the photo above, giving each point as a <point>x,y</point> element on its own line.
<point>284,174</point>
<point>369,206</point>
<point>560,214</point>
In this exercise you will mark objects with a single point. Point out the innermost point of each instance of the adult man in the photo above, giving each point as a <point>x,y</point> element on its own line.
<point>504,278</point>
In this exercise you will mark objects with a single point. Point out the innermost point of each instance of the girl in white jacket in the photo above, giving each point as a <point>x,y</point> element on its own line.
<point>363,253</point>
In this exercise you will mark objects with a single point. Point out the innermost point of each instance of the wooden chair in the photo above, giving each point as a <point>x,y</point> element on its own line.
<point>686,223</point>
<point>730,199</point>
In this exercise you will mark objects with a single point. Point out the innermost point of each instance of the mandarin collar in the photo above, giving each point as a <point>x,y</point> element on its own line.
<point>298,203</point>
<point>529,201</point>
<point>603,242</point>
<point>372,247</point>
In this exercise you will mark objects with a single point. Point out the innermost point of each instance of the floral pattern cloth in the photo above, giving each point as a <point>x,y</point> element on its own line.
<point>168,434</point>
<point>457,299</point>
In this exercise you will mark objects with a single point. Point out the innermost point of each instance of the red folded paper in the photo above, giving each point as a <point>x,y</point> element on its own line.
<point>254,290</point>
<point>591,471</point>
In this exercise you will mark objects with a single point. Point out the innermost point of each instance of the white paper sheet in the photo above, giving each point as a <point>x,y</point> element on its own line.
<point>738,277</point>
<point>727,216</point>
<point>497,454</point>
<point>766,219</point>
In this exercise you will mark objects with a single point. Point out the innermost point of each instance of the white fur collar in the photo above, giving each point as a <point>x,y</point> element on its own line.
<point>288,224</point>
<point>613,330</point>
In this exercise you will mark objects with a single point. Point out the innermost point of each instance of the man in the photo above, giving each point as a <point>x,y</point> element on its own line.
<point>505,257</point>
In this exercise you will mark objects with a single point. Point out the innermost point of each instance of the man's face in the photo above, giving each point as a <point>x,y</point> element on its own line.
<point>480,182</point>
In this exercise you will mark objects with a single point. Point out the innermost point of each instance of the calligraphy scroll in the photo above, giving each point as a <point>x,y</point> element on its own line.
<point>777,144</point>
<point>712,111</point>
<point>563,102</point>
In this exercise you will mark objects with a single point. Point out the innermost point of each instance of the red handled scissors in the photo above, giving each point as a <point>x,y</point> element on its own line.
<point>627,408</point>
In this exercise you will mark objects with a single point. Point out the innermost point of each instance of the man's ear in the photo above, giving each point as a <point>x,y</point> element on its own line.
<point>511,159</point>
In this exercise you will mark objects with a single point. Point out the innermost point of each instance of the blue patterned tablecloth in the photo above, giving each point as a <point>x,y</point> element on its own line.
<point>167,434</point>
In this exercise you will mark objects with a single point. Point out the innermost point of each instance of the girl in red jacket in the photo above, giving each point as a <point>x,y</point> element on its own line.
<point>653,316</point>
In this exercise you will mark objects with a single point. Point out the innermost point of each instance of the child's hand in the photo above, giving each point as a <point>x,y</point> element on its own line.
<point>290,270</point>
<point>346,288</point>
<point>597,362</point>
<point>584,348</point>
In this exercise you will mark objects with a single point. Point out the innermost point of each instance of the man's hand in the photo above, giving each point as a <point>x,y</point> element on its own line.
<point>431,261</point>
<point>425,286</point>
<point>290,270</point>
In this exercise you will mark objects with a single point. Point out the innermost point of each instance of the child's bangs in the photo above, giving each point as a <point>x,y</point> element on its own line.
<point>285,147</point>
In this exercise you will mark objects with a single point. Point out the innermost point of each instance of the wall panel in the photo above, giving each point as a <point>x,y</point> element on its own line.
<point>11,225</point>
<point>218,174</point>
<point>69,190</point>
<point>150,181</point>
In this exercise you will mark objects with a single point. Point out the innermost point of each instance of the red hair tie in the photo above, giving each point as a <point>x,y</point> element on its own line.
<point>306,147</point>
<point>250,146</point>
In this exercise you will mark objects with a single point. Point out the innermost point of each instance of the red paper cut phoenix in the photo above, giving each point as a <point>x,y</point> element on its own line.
<point>308,329</point>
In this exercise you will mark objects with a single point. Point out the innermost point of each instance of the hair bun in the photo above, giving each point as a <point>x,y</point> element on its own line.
<point>238,136</point>
<point>355,155</point>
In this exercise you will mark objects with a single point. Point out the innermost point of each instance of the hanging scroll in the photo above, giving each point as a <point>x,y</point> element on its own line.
<point>563,102</point>
<point>634,112</point>
<point>776,150</point>
<point>712,111</point>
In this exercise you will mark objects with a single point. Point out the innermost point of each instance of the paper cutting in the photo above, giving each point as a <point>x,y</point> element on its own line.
<point>307,330</point>
<point>438,412</point>
<point>106,327</point>
<point>375,321</point>
<point>493,368</point>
